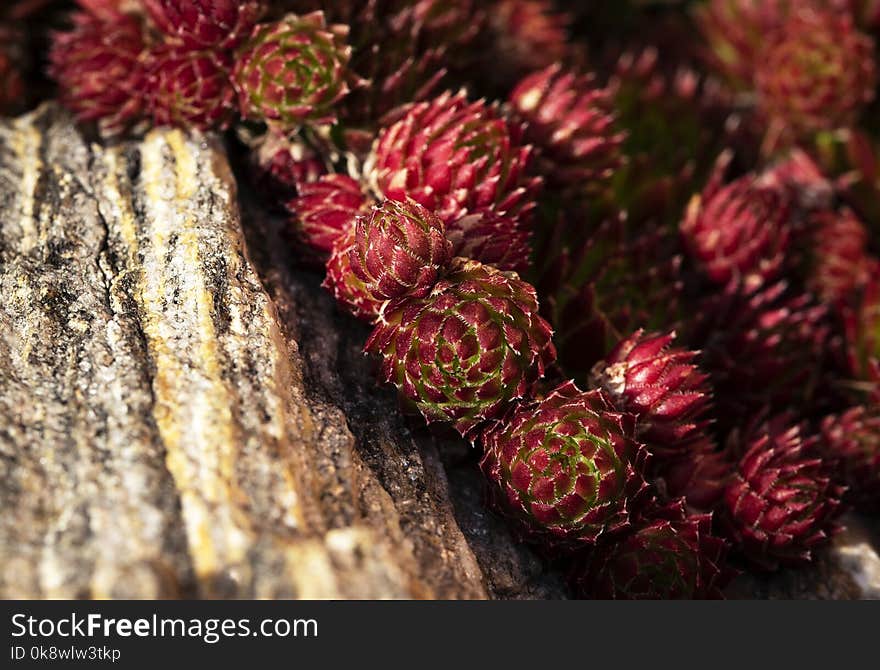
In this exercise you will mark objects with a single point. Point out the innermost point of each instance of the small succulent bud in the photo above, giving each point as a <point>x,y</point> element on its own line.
<point>493,239</point>
<point>566,469</point>
<point>840,263</point>
<point>780,503</point>
<point>739,232</point>
<point>659,384</point>
<point>100,70</point>
<point>190,88</point>
<point>199,24</point>
<point>571,121</point>
<point>466,351</point>
<point>670,555</point>
<point>454,158</point>
<point>851,442</point>
<point>400,249</point>
<point>326,208</point>
<point>293,71</point>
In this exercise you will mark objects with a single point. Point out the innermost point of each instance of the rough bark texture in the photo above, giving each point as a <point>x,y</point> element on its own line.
<point>182,414</point>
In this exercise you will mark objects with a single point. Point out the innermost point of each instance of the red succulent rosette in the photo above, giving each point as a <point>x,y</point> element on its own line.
<point>817,73</point>
<point>282,166</point>
<point>839,261</point>
<point>101,70</point>
<point>780,503</point>
<point>699,474</point>
<point>736,30</point>
<point>529,34</point>
<point>570,119</point>
<point>293,71</point>
<point>567,469</point>
<point>400,249</point>
<point>199,24</point>
<point>466,351</point>
<point>190,88</point>
<point>493,239</point>
<point>762,348</point>
<point>668,555</point>
<point>326,208</point>
<point>455,158</point>
<point>801,176</point>
<point>739,232</point>
<point>851,442</point>
<point>661,385</point>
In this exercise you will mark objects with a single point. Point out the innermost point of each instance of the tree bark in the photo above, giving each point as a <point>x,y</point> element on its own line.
<point>183,413</point>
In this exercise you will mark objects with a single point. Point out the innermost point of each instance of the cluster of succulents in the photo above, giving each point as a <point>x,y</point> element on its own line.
<point>640,277</point>
<point>200,64</point>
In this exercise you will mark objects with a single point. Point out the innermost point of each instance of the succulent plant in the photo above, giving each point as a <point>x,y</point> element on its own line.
<point>762,348</point>
<point>817,74</point>
<point>493,239</point>
<point>189,88</point>
<point>739,232</point>
<point>100,69</point>
<point>454,158</point>
<point>326,208</point>
<point>780,503</point>
<point>736,30</point>
<point>643,375</point>
<point>566,470</point>
<point>570,119</point>
<point>199,24</point>
<point>839,258</point>
<point>400,250</point>
<point>528,34</point>
<point>671,555</point>
<point>830,249</point>
<point>851,442</point>
<point>466,351</point>
<point>350,292</point>
<point>293,71</point>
